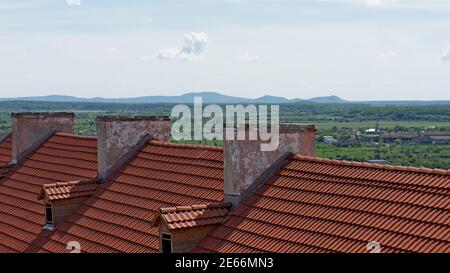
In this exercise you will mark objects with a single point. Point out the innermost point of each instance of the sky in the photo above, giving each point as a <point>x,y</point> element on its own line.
<point>355,49</point>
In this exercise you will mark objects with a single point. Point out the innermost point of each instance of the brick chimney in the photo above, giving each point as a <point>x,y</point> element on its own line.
<point>29,130</point>
<point>119,137</point>
<point>246,167</point>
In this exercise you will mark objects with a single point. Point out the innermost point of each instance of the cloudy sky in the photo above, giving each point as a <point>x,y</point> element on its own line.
<point>356,49</point>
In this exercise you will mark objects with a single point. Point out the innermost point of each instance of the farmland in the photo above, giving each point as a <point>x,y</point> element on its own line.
<point>338,120</point>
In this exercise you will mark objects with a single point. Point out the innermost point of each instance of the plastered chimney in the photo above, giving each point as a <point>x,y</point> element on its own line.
<point>118,137</point>
<point>29,130</point>
<point>246,167</point>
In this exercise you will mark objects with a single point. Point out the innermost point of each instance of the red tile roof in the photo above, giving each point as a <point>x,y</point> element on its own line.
<point>117,217</point>
<point>67,190</point>
<point>5,150</point>
<point>4,170</point>
<point>192,216</point>
<point>62,158</point>
<point>310,205</point>
<point>319,205</point>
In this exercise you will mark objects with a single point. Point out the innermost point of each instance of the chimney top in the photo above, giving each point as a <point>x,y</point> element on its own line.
<point>247,166</point>
<point>119,137</point>
<point>30,130</point>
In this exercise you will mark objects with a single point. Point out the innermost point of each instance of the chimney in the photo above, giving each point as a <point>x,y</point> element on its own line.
<point>30,130</point>
<point>246,167</point>
<point>119,137</point>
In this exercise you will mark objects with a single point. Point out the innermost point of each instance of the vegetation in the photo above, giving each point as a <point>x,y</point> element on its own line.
<point>429,155</point>
<point>337,120</point>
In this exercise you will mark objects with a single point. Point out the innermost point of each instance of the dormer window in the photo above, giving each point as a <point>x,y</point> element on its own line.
<point>62,198</point>
<point>182,227</point>
<point>166,243</point>
<point>48,214</point>
<point>48,217</point>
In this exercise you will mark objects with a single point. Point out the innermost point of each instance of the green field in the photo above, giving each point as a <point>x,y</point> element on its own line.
<point>385,124</point>
<point>338,120</point>
<point>430,156</point>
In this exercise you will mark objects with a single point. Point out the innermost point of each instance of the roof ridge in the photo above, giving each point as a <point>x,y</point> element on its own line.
<point>372,165</point>
<point>186,146</point>
<point>69,183</point>
<point>195,207</point>
<point>74,135</point>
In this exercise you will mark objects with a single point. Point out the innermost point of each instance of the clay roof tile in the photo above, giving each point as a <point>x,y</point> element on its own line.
<point>191,216</point>
<point>67,190</point>
<point>322,205</point>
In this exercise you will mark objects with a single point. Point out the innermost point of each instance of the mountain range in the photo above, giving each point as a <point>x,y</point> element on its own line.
<point>213,97</point>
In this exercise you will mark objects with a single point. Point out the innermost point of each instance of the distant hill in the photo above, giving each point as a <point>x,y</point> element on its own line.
<point>214,97</point>
<point>208,97</point>
<point>329,99</point>
<point>44,98</point>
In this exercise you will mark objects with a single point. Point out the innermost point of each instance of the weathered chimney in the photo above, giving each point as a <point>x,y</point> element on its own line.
<point>118,137</point>
<point>29,130</point>
<point>246,167</point>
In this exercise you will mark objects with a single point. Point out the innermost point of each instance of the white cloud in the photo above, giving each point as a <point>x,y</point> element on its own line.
<point>11,6</point>
<point>446,55</point>
<point>171,54</point>
<point>146,58</point>
<point>374,2</point>
<point>23,56</point>
<point>112,50</point>
<point>385,55</point>
<point>423,5</point>
<point>73,2</point>
<point>249,58</point>
<point>193,49</point>
<point>33,77</point>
